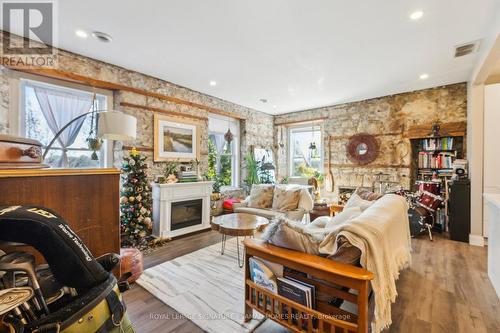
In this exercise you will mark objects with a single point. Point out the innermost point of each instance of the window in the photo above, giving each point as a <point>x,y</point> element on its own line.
<point>306,162</point>
<point>223,158</point>
<point>34,124</point>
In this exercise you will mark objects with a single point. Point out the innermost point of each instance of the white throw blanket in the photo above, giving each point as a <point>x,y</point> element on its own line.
<point>382,234</point>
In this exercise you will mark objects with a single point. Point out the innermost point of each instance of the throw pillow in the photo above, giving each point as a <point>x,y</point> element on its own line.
<point>346,253</point>
<point>261,196</point>
<point>291,235</point>
<point>367,194</point>
<point>344,216</point>
<point>356,201</point>
<point>286,198</point>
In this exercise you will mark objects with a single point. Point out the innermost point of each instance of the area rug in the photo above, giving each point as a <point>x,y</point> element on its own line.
<point>205,287</point>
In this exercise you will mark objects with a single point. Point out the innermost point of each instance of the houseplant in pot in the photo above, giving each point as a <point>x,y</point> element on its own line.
<point>252,168</point>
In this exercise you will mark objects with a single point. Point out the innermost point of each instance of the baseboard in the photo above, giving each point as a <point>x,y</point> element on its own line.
<point>476,240</point>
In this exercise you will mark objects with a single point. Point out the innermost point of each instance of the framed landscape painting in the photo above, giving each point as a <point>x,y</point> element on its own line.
<point>175,139</point>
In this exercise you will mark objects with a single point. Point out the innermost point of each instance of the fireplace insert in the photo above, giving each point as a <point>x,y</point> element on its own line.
<point>186,214</point>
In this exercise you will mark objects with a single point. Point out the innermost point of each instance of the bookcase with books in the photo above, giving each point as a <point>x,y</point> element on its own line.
<point>435,155</point>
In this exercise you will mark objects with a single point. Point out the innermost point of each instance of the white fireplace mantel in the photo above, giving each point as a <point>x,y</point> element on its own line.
<point>166,194</point>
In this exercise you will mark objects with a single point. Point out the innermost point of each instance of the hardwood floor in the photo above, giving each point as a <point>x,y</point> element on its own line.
<point>445,290</point>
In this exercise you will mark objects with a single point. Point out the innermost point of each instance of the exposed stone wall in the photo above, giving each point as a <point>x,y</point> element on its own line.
<point>257,129</point>
<point>389,118</point>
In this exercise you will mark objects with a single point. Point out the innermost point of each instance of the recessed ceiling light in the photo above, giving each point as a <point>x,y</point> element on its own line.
<point>102,36</point>
<point>424,76</point>
<point>275,106</point>
<point>213,83</point>
<point>416,15</point>
<point>263,100</point>
<point>81,34</point>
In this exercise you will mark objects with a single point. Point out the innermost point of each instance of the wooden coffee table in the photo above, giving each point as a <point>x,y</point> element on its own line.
<point>239,225</point>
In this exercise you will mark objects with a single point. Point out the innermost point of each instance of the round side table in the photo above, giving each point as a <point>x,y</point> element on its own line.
<point>239,225</point>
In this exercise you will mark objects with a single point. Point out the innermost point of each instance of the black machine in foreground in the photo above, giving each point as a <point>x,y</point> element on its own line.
<point>73,292</point>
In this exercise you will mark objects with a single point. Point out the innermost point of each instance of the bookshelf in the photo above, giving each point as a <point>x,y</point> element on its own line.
<point>435,155</point>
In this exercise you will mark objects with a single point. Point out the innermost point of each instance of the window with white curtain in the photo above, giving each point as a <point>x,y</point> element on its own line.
<point>223,157</point>
<point>304,161</point>
<point>46,108</point>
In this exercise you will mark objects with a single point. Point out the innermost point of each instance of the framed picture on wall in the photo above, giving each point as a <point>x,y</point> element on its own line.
<point>175,139</point>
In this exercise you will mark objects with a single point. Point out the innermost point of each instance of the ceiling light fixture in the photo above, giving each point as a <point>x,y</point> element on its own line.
<point>103,37</point>
<point>275,106</point>
<point>81,33</point>
<point>416,15</point>
<point>213,83</point>
<point>424,76</point>
<point>263,100</point>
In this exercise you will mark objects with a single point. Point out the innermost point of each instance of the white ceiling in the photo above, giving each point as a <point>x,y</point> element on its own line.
<point>296,54</point>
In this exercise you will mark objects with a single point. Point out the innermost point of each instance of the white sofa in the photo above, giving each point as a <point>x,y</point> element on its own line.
<point>305,205</point>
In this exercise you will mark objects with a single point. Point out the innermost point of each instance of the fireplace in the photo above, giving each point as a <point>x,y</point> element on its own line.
<point>186,213</point>
<point>181,208</point>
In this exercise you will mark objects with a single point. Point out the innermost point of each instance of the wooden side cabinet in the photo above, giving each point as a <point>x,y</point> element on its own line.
<point>87,199</point>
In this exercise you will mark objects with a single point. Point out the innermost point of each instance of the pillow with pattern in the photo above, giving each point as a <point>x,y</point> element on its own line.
<point>286,198</point>
<point>261,196</point>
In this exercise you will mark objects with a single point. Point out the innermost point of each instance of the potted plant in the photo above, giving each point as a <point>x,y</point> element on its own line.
<point>95,145</point>
<point>216,188</point>
<point>252,167</point>
<point>170,171</point>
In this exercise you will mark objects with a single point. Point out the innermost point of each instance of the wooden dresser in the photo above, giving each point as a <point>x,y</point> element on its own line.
<point>87,199</point>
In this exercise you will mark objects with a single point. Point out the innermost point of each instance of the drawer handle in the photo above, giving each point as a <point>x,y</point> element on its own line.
<point>33,152</point>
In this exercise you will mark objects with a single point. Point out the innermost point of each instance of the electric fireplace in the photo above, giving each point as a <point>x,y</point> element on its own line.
<point>181,208</point>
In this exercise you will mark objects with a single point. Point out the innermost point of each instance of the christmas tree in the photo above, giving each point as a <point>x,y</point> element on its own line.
<point>135,202</point>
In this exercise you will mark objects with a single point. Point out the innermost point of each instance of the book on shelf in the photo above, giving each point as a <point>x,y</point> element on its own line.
<point>264,277</point>
<point>443,160</point>
<point>296,291</point>
<point>299,292</point>
<point>188,177</point>
<point>445,143</point>
<point>312,289</point>
<point>188,180</point>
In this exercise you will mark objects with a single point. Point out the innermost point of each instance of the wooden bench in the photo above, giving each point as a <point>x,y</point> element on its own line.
<point>322,273</point>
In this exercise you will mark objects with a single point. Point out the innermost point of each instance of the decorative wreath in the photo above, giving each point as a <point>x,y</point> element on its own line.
<point>362,148</point>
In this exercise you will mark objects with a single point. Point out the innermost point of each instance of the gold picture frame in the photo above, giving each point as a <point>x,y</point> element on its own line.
<point>176,139</point>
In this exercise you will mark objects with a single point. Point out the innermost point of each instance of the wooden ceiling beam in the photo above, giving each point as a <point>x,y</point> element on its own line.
<point>159,110</point>
<point>72,77</point>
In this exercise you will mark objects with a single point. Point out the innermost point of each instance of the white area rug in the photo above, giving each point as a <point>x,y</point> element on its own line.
<point>204,286</point>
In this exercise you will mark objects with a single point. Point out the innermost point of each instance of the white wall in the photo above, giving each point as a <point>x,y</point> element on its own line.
<point>491,179</point>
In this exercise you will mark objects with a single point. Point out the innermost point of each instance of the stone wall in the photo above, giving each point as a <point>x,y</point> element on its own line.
<point>390,119</point>
<point>256,129</point>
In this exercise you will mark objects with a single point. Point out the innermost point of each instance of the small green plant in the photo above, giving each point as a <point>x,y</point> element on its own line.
<point>284,180</point>
<point>252,167</point>
<point>171,168</point>
<point>95,145</point>
<point>308,172</point>
<point>218,183</point>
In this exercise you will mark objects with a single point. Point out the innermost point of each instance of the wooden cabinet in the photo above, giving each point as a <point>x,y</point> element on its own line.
<point>87,199</point>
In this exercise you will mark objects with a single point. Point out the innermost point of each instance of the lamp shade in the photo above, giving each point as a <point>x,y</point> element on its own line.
<point>114,125</point>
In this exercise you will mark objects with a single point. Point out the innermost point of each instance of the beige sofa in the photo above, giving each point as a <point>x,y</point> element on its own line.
<point>305,205</point>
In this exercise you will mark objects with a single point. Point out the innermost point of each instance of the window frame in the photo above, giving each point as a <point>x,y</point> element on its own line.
<point>17,109</point>
<point>305,127</point>
<point>235,151</point>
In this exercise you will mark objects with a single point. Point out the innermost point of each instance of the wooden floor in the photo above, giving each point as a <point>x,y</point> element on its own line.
<point>445,290</point>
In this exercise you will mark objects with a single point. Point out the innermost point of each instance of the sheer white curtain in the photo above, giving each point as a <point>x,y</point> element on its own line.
<point>59,108</point>
<point>219,142</point>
